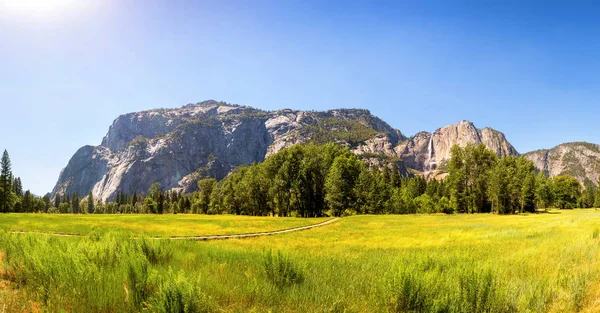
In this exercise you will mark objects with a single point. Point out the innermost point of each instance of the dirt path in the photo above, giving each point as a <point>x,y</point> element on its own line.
<point>213,237</point>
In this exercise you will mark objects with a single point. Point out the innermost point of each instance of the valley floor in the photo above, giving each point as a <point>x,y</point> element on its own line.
<point>546,262</point>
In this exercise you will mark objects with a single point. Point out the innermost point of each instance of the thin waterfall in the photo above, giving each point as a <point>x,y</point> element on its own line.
<point>429,153</point>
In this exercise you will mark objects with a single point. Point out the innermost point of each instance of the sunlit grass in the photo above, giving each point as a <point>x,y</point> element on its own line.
<point>149,225</point>
<point>420,263</point>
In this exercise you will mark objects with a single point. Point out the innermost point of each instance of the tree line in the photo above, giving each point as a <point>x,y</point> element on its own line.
<point>329,180</point>
<point>12,197</point>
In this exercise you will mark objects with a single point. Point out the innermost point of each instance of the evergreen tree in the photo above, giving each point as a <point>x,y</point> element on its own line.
<point>18,187</point>
<point>160,204</point>
<point>589,194</point>
<point>396,178</point>
<point>90,203</point>
<point>597,198</point>
<point>75,203</point>
<point>57,200</point>
<point>6,192</point>
<point>364,190</point>
<point>47,202</point>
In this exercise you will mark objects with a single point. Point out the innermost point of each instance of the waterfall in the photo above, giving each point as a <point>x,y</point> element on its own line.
<point>429,153</point>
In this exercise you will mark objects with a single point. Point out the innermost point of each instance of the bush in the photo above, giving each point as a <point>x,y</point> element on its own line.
<point>157,252</point>
<point>178,295</point>
<point>281,271</point>
<point>441,285</point>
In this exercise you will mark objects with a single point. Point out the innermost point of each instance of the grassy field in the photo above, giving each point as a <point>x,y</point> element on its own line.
<point>411,263</point>
<point>149,225</point>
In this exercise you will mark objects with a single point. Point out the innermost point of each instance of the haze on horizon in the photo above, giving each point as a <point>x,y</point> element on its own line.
<point>69,68</point>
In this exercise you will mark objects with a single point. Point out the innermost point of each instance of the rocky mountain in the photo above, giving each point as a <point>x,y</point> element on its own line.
<point>578,159</point>
<point>428,151</point>
<point>176,147</point>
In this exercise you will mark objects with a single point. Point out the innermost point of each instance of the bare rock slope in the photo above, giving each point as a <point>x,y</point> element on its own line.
<point>426,151</point>
<point>176,147</point>
<point>578,159</point>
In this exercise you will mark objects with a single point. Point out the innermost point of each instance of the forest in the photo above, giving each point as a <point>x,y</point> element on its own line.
<point>329,180</point>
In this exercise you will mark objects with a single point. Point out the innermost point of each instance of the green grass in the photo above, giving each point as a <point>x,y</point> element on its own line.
<point>410,263</point>
<point>149,225</point>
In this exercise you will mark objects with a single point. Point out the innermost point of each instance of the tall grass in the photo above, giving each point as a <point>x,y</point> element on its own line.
<point>425,263</point>
<point>281,271</point>
<point>107,273</point>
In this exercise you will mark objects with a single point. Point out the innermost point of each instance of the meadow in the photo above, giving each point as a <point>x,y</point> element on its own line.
<point>386,263</point>
<point>153,225</point>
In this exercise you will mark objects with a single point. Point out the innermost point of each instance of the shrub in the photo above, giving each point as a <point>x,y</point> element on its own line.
<point>157,252</point>
<point>178,295</point>
<point>281,271</point>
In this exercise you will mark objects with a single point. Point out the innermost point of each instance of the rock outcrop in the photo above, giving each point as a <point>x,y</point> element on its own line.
<point>176,147</point>
<point>426,151</point>
<point>578,159</point>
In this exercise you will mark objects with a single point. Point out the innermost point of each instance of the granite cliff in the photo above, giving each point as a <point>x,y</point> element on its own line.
<point>176,147</point>
<point>578,159</point>
<point>429,151</point>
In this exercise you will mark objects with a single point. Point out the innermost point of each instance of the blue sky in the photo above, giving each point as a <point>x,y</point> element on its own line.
<point>67,70</point>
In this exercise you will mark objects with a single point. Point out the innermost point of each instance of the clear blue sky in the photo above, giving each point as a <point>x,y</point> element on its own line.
<point>528,68</point>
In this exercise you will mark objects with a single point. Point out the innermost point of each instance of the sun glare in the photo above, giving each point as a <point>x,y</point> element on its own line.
<point>37,6</point>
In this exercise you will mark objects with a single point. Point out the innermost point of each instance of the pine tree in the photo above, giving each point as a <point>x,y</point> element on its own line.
<point>27,203</point>
<point>6,192</point>
<point>18,187</point>
<point>90,203</point>
<point>75,203</point>
<point>597,198</point>
<point>396,179</point>
<point>57,200</point>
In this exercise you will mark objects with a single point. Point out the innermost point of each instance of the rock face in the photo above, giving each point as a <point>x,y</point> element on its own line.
<point>176,147</point>
<point>578,159</point>
<point>426,151</point>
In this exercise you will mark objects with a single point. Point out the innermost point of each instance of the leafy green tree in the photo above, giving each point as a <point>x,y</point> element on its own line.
<point>64,208</point>
<point>424,204</point>
<point>340,183</point>
<point>231,200</point>
<point>206,187</point>
<point>543,191</point>
<point>457,179</point>
<point>567,191</point>
<point>155,191</point>
<point>150,205</point>
<point>528,193</point>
